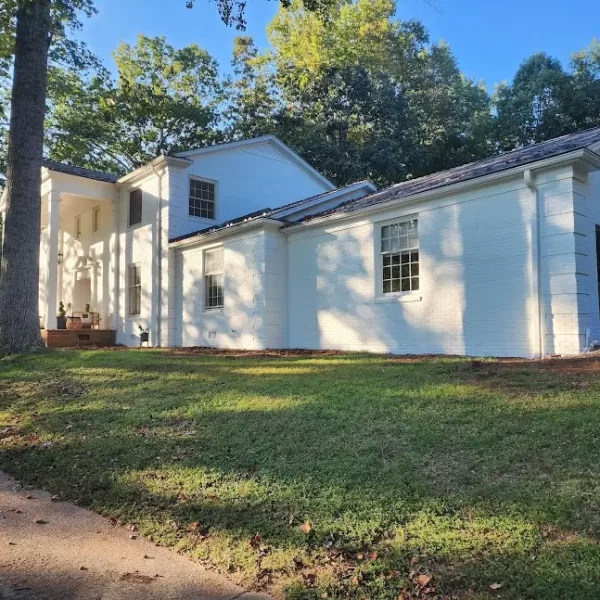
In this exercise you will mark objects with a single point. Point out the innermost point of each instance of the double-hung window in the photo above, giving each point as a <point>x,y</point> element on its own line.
<point>400,257</point>
<point>213,278</point>
<point>202,199</point>
<point>134,284</point>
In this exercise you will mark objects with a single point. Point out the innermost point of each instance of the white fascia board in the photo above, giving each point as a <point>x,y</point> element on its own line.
<point>219,234</point>
<point>160,162</point>
<point>589,159</point>
<point>339,193</point>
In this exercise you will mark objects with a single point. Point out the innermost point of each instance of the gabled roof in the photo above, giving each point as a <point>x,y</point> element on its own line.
<point>280,213</point>
<point>246,144</point>
<point>60,167</point>
<point>588,140</point>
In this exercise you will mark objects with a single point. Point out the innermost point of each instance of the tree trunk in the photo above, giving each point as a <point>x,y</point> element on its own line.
<point>19,273</point>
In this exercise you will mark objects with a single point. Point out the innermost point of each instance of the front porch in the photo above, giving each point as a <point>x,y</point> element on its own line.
<point>78,259</point>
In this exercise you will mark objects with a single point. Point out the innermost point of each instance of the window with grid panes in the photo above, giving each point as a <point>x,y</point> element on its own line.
<point>213,278</point>
<point>135,289</point>
<point>202,199</point>
<point>400,257</point>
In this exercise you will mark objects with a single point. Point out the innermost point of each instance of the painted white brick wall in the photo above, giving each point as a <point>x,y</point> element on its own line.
<point>138,244</point>
<point>567,225</point>
<point>254,315</point>
<point>476,292</point>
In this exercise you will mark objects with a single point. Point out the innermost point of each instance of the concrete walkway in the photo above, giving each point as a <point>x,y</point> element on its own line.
<point>58,551</point>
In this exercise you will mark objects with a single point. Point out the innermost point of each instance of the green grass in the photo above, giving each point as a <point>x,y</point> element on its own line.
<point>473,473</point>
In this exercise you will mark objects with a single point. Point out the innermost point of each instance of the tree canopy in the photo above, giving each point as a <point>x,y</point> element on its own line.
<point>349,86</point>
<point>162,100</point>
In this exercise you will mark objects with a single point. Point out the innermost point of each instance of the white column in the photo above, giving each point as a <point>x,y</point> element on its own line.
<point>115,262</point>
<point>52,272</point>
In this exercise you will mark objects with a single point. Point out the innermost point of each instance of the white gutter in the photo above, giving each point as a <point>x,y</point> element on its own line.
<point>529,179</point>
<point>218,234</point>
<point>592,159</point>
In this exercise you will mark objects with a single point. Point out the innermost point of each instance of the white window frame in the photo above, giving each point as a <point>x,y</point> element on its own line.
<point>216,200</point>
<point>137,286</point>
<point>78,227</point>
<point>407,295</point>
<point>212,273</point>
<point>95,219</point>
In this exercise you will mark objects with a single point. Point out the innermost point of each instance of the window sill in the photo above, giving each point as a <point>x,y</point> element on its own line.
<point>400,297</point>
<point>133,227</point>
<point>205,219</point>
<point>214,311</point>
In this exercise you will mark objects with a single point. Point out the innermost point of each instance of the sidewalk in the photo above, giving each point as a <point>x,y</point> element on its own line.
<point>58,551</point>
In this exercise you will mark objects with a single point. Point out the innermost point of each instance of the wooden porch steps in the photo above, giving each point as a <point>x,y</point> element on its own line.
<point>69,338</point>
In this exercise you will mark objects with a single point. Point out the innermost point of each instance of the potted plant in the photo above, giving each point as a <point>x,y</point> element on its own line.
<point>61,318</point>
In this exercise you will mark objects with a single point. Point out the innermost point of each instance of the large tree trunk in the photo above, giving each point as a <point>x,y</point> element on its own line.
<point>19,273</point>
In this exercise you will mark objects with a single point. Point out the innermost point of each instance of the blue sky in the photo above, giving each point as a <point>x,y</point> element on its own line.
<point>490,39</point>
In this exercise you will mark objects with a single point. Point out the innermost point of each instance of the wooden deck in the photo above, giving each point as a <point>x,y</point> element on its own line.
<point>69,338</point>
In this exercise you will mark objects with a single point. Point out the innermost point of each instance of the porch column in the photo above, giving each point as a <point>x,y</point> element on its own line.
<point>52,272</point>
<point>115,261</point>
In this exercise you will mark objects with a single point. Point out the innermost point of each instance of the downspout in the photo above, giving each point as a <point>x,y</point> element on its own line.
<point>537,261</point>
<point>158,262</point>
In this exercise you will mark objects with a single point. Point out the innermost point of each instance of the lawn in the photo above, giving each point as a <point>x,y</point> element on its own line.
<point>325,476</point>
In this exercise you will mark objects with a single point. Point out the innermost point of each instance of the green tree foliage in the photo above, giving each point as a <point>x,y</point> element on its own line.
<point>544,100</point>
<point>163,100</point>
<point>251,92</point>
<point>365,95</point>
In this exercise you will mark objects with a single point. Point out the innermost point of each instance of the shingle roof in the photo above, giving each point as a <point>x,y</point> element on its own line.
<point>487,166</point>
<point>80,171</point>
<point>263,213</point>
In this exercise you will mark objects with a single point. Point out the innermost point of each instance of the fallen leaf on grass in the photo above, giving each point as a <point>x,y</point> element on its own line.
<point>495,586</point>
<point>423,580</point>
<point>305,527</point>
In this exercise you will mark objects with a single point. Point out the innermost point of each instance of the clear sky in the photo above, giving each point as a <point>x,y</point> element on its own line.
<point>490,39</point>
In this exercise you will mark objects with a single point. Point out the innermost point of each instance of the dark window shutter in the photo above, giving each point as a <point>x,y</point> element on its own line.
<point>135,207</point>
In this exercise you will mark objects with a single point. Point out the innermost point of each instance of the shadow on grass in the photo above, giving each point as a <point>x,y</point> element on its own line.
<point>483,474</point>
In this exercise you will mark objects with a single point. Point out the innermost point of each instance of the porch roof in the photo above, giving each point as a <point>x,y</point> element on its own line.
<point>60,167</point>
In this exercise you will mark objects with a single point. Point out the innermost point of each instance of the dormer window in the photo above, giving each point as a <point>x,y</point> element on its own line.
<point>202,199</point>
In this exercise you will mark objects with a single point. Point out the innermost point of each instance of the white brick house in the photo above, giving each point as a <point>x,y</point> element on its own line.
<point>497,258</point>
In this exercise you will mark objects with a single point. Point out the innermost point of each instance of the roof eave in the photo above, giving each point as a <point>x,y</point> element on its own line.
<point>160,162</point>
<point>223,232</point>
<point>330,195</point>
<point>590,159</point>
